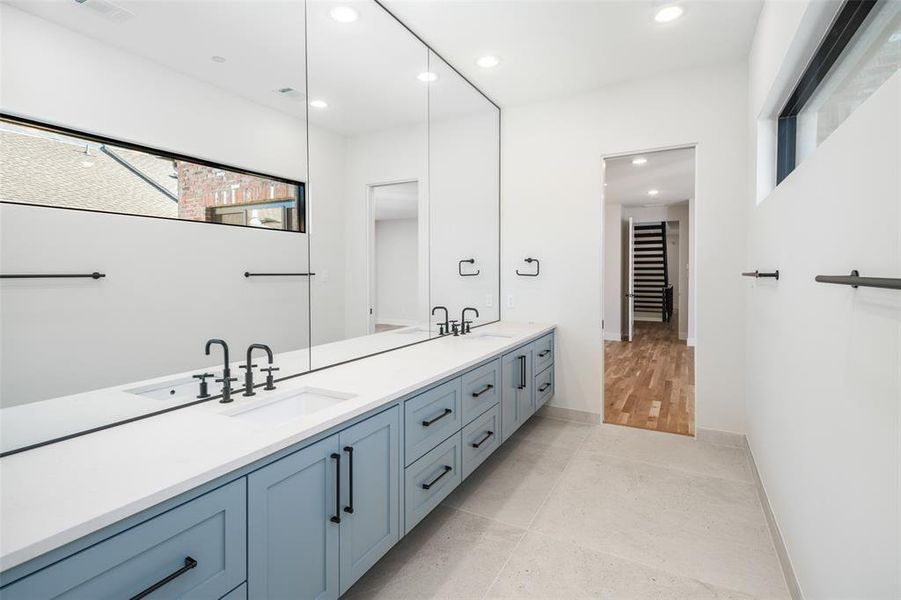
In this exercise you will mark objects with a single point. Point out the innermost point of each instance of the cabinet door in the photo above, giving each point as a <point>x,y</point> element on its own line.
<point>369,493</point>
<point>516,390</point>
<point>292,535</point>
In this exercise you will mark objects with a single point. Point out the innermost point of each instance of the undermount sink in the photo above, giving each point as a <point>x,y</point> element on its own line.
<point>174,389</point>
<point>488,336</point>
<point>284,408</point>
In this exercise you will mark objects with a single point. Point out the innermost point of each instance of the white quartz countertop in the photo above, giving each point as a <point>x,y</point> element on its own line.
<point>56,494</point>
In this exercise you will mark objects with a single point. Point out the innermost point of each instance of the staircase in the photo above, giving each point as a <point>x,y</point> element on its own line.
<point>653,293</point>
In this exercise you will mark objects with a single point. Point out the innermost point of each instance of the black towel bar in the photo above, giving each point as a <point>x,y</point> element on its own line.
<point>94,275</point>
<point>531,260</point>
<point>759,275</point>
<point>855,280</point>
<point>471,261</point>
<point>248,274</point>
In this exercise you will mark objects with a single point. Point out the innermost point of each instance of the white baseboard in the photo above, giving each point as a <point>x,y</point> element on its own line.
<point>613,337</point>
<point>690,341</point>
<point>740,440</point>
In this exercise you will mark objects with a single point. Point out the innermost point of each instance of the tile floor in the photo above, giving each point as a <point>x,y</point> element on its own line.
<point>570,510</point>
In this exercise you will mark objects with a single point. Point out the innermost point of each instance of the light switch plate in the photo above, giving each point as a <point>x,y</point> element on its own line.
<point>509,300</point>
<point>489,300</point>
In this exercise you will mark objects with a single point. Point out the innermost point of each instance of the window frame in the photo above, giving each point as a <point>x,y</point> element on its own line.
<point>848,21</point>
<point>103,140</point>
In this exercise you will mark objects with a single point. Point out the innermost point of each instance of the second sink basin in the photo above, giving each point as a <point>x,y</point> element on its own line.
<point>290,406</point>
<point>174,389</point>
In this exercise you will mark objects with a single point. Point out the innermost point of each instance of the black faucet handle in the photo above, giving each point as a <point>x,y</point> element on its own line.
<point>244,366</point>
<point>228,379</point>
<point>269,369</point>
<point>203,376</point>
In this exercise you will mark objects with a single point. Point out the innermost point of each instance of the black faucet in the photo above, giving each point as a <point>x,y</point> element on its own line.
<point>466,326</point>
<point>248,375</point>
<point>443,328</point>
<point>227,378</point>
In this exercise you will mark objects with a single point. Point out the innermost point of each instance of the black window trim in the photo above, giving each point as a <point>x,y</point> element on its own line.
<point>846,24</point>
<point>103,140</point>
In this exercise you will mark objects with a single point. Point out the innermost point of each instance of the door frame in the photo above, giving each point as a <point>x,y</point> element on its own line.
<point>694,274</point>
<point>370,242</point>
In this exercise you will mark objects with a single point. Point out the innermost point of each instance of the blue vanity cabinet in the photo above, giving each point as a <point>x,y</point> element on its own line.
<point>196,550</point>
<point>293,527</point>
<point>517,399</point>
<point>370,493</point>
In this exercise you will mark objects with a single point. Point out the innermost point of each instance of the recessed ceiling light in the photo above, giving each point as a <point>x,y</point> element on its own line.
<point>427,77</point>
<point>344,14</point>
<point>218,59</point>
<point>653,192</point>
<point>639,161</point>
<point>318,103</point>
<point>488,62</point>
<point>669,13</point>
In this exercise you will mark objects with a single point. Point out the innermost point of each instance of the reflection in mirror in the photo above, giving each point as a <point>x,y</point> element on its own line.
<point>464,201</point>
<point>194,124</point>
<point>368,186</point>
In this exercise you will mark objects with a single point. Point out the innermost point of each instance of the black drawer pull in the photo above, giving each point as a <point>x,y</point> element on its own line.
<point>350,479</point>
<point>522,372</point>
<point>190,563</point>
<point>543,353</point>
<point>482,391</point>
<point>488,435</point>
<point>545,386</point>
<point>446,412</point>
<point>429,485</point>
<point>337,517</point>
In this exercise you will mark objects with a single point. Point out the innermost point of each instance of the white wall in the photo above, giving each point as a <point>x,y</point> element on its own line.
<point>552,176</point>
<point>613,272</point>
<point>396,270</point>
<point>170,285</point>
<point>824,362</point>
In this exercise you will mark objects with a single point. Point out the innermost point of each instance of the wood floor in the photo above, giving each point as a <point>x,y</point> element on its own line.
<point>649,382</point>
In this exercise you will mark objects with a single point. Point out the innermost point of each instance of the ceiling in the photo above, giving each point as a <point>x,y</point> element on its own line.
<point>670,172</point>
<point>366,70</point>
<point>551,48</point>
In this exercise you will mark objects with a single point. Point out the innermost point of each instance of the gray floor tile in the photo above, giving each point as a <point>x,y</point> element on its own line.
<point>542,567</point>
<point>450,554</point>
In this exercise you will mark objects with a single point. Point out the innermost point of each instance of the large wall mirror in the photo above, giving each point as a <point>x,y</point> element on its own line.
<point>304,175</point>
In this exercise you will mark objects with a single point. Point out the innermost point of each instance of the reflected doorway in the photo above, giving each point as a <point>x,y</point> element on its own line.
<point>649,379</point>
<point>394,256</point>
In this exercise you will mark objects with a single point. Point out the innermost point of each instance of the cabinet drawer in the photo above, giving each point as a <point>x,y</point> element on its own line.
<point>431,417</point>
<point>208,533</point>
<point>481,438</point>
<point>429,480</point>
<point>544,386</point>
<point>481,389</point>
<point>543,352</point>
<point>239,593</point>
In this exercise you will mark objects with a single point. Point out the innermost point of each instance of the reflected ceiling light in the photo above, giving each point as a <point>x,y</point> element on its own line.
<point>653,192</point>
<point>488,62</point>
<point>344,14</point>
<point>87,163</point>
<point>427,77</point>
<point>668,13</point>
<point>218,59</point>
<point>318,103</point>
<point>641,160</point>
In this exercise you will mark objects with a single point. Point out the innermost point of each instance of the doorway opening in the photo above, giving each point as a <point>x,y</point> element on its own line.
<point>649,306</point>
<point>394,256</point>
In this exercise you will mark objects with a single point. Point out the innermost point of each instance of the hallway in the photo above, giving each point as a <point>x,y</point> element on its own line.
<point>649,382</point>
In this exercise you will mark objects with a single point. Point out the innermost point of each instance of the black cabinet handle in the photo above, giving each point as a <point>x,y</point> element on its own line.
<point>350,479</point>
<point>446,412</point>
<point>337,517</point>
<point>488,435</point>
<point>543,353</point>
<point>482,391</point>
<point>545,386</point>
<point>522,371</point>
<point>190,563</point>
<point>447,469</point>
